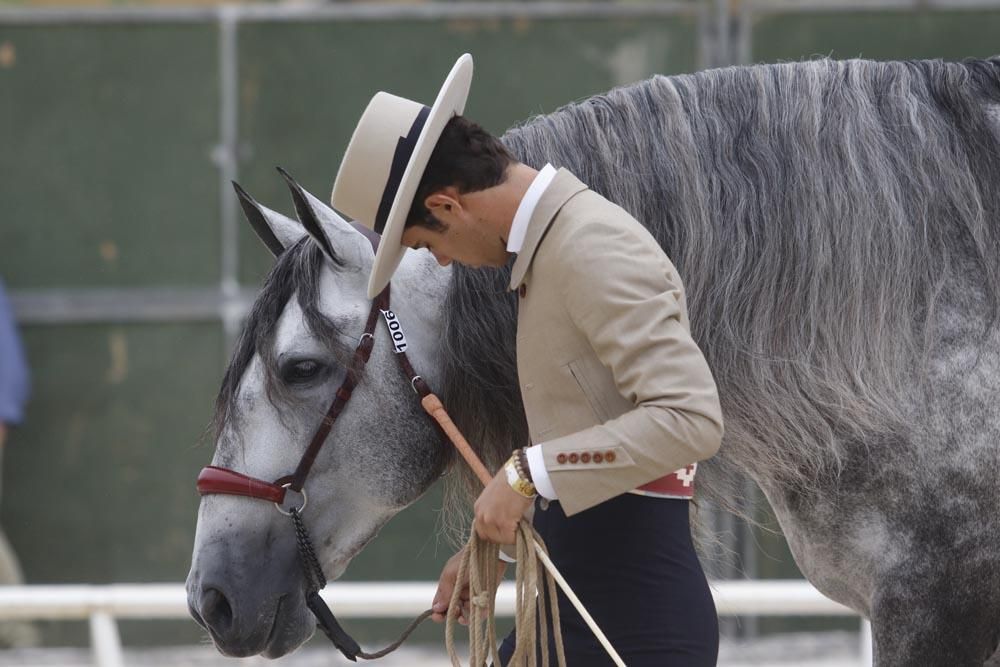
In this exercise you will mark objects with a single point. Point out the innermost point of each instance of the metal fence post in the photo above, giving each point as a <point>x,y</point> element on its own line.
<point>105,640</point>
<point>867,655</point>
<point>744,34</point>
<point>227,156</point>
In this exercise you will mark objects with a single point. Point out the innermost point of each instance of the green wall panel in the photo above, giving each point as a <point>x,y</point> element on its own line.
<point>876,35</point>
<point>303,87</point>
<point>99,481</point>
<point>105,170</point>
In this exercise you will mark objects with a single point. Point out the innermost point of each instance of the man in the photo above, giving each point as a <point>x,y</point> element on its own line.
<point>619,400</point>
<point>14,388</point>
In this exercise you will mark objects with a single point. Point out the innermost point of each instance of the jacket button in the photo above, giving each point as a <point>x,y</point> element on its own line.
<point>585,458</point>
<point>598,457</point>
<point>573,458</point>
<point>522,290</point>
<point>560,459</point>
<point>609,457</point>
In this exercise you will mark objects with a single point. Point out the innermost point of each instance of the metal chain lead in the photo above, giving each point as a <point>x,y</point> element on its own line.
<point>310,564</point>
<point>317,581</point>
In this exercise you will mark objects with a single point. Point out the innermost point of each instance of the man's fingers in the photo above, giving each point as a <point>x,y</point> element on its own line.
<point>497,534</point>
<point>442,598</point>
<point>463,615</point>
<point>446,587</point>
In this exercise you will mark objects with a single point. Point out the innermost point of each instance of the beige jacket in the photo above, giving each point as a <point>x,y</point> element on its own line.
<point>605,357</point>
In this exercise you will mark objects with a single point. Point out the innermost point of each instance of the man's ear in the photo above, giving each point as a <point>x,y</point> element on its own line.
<point>443,202</point>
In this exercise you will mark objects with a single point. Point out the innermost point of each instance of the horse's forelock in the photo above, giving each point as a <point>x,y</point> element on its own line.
<point>295,272</point>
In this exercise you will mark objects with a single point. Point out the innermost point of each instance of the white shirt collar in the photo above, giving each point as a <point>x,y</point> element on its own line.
<point>519,226</point>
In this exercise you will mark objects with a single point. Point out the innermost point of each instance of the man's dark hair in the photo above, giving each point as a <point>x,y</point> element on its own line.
<point>466,157</point>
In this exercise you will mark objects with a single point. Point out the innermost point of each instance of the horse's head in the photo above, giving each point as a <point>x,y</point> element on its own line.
<point>246,586</point>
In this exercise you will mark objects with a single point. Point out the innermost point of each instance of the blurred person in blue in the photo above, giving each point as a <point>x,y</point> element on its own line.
<point>15,385</point>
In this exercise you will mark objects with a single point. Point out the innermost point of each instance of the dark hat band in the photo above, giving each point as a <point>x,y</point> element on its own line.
<point>401,158</point>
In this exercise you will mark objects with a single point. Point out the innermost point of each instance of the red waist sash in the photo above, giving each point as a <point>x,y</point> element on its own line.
<point>678,484</point>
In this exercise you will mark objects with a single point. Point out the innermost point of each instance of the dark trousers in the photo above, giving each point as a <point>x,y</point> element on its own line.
<point>632,563</point>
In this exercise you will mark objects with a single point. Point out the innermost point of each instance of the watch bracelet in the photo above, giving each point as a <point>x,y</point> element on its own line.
<point>522,464</point>
<point>517,481</point>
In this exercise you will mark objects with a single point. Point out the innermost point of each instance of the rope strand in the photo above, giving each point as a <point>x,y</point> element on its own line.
<point>480,562</point>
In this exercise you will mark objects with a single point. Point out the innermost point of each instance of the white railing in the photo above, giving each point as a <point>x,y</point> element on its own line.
<point>103,605</point>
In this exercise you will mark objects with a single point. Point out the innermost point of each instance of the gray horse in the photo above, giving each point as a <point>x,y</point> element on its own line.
<point>837,225</point>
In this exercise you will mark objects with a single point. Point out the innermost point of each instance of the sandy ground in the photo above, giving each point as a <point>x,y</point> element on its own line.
<point>834,649</point>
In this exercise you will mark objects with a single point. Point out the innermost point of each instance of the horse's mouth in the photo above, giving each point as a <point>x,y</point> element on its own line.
<point>278,642</point>
<point>292,626</point>
<point>269,642</point>
<point>280,639</point>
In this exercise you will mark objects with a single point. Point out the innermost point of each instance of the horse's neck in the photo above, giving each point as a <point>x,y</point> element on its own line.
<point>418,293</point>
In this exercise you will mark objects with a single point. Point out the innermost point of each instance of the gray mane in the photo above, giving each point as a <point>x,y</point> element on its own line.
<point>813,210</point>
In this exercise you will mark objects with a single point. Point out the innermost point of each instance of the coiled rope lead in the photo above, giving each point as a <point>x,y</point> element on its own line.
<point>481,561</point>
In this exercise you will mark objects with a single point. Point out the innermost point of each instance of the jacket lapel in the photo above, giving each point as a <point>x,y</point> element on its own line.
<point>563,186</point>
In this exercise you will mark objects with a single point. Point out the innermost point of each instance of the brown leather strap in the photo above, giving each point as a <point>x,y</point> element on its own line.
<point>354,373</point>
<point>417,382</point>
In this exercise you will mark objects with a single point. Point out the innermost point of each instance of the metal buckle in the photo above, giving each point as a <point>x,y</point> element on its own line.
<point>288,512</point>
<point>413,383</point>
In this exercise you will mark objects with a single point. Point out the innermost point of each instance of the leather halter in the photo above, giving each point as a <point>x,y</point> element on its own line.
<point>215,479</point>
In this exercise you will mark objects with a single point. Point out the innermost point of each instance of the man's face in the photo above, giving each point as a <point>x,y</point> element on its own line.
<point>464,237</point>
<point>451,244</point>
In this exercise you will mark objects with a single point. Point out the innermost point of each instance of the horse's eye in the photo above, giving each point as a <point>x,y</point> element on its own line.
<point>301,372</point>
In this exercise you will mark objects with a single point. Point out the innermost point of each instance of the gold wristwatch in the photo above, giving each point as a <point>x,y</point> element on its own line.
<point>518,478</point>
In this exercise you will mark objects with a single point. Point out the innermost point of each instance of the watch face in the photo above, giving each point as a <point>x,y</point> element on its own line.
<point>516,481</point>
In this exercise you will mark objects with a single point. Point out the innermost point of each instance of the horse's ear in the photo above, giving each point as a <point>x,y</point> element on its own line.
<point>338,238</point>
<point>274,229</point>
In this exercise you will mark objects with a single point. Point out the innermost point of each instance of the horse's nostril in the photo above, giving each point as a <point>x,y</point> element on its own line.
<point>216,611</point>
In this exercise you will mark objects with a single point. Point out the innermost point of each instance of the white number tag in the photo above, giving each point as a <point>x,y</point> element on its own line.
<point>395,331</point>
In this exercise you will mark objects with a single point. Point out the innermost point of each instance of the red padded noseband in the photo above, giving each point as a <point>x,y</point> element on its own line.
<point>213,479</point>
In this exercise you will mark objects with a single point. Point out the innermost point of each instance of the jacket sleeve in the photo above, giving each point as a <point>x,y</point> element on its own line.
<point>622,292</point>
<point>14,378</point>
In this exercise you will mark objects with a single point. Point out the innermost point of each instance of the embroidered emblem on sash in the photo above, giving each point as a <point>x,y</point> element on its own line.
<point>686,474</point>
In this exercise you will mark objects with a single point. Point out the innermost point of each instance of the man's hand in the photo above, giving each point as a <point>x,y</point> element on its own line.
<point>446,585</point>
<point>498,509</point>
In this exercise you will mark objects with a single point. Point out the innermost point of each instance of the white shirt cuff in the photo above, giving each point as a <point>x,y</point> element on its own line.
<point>539,475</point>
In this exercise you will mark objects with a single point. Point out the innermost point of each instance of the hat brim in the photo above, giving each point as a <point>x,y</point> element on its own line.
<point>449,103</point>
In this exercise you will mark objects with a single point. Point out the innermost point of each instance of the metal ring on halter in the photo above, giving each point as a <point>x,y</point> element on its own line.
<point>366,335</point>
<point>305,500</point>
<point>413,383</point>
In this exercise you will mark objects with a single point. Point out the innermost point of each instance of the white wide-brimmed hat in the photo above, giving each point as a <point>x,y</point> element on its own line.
<point>386,159</point>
